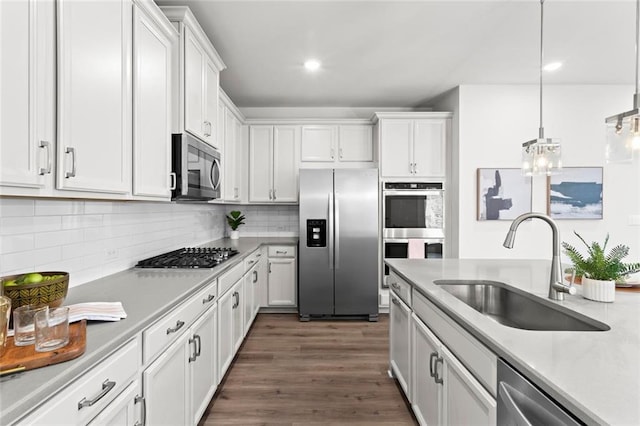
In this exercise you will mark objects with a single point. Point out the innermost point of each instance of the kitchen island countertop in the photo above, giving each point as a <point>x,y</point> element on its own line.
<point>146,294</point>
<point>595,374</point>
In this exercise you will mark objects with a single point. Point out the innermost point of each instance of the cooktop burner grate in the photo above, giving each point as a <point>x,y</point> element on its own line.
<point>189,257</point>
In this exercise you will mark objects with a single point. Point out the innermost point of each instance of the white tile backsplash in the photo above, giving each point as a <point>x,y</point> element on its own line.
<point>267,221</point>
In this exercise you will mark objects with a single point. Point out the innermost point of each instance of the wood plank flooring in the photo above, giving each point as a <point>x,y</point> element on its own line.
<point>310,373</point>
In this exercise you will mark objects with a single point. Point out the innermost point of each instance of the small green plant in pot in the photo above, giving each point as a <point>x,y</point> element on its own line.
<point>235,218</point>
<point>600,270</point>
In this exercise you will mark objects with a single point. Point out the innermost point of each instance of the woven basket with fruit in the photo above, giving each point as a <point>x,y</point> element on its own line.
<point>36,288</point>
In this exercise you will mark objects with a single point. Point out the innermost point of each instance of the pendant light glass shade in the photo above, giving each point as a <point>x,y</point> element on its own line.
<point>541,156</point>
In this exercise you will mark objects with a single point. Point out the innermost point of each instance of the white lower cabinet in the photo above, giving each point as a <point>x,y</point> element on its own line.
<point>124,410</point>
<point>400,342</point>
<point>230,326</point>
<point>282,280</point>
<point>203,362</point>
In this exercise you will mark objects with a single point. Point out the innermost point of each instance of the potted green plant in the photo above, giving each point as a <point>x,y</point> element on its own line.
<point>235,218</point>
<point>600,270</point>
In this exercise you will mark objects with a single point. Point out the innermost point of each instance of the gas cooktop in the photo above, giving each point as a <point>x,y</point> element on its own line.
<point>189,257</point>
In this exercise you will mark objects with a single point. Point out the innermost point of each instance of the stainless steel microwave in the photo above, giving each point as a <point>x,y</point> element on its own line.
<point>195,169</point>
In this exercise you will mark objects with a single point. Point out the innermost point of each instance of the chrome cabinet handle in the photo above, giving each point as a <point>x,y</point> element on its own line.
<point>340,152</point>
<point>137,399</point>
<point>271,194</point>
<point>208,299</point>
<point>433,356</point>
<point>235,193</point>
<point>269,267</point>
<point>207,124</point>
<point>274,194</point>
<point>178,326</point>
<point>47,146</point>
<point>332,153</point>
<point>107,385</point>
<point>282,251</point>
<point>173,181</point>
<point>255,277</point>
<point>395,286</point>
<point>251,262</point>
<point>72,173</point>
<point>259,254</point>
<point>194,354</point>
<point>415,168</point>
<point>438,380</point>
<point>395,301</point>
<point>198,345</point>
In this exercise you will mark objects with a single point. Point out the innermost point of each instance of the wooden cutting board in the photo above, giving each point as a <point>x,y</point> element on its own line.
<point>21,358</point>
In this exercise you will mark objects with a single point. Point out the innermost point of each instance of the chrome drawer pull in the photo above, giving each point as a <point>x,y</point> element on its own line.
<point>255,277</point>
<point>433,356</point>
<point>72,173</point>
<point>178,326</point>
<point>281,252</point>
<point>395,301</point>
<point>195,349</point>
<point>137,399</point>
<point>396,286</point>
<point>435,371</point>
<point>47,146</point>
<point>208,299</point>
<point>106,387</point>
<point>198,344</point>
<point>251,262</point>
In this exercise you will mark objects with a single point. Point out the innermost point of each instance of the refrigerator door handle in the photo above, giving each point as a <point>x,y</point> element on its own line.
<point>337,230</point>
<point>330,231</point>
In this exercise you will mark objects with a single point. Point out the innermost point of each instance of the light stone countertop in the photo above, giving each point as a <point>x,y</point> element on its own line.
<point>594,374</point>
<point>146,294</point>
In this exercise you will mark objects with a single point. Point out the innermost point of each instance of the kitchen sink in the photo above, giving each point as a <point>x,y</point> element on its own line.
<point>516,308</point>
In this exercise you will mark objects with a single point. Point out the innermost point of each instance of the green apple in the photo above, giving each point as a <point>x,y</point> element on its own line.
<point>32,278</point>
<point>10,283</point>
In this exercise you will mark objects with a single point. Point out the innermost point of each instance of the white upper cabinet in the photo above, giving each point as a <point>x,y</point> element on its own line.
<point>94,96</point>
<point>233,163</point>
<point>154,41</point>
<point>413,144</point>
<point>340,145</point>
<point>27,105</point>
<point>273,164</point>
<point>199,68</point>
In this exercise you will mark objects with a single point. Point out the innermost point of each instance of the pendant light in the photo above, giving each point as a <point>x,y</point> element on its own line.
<point>541,156</point>
<point>623,130</point>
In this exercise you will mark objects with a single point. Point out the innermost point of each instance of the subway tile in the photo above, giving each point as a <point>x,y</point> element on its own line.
<point>15,243</point>
<point>26,260</point>
<point>58,207</point>
<point>20,207</point>
<point>98,207</point>
<point>58,238</point>
<point>27,225</point>
<point>81,221</point>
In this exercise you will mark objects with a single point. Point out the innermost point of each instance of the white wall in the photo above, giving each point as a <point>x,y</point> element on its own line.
<point>92,239</point>
<point>495,120</point>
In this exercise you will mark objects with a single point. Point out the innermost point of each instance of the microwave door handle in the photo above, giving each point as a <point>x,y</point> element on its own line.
<point>330,216</point>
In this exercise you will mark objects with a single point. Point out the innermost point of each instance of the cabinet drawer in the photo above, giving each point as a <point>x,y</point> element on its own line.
<point>98,386</point>
<point>166,329</point>
<point>229,278</point>
<point>252,260</point>
<point>474,355</point>
<point>282,251</point>
<point>400,287</point>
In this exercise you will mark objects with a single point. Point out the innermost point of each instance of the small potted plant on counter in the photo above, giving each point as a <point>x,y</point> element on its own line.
<point>599,271</point>
<point>235,218</point>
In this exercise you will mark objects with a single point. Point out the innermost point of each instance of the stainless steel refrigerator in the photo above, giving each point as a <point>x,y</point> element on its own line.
<point>338,258</point>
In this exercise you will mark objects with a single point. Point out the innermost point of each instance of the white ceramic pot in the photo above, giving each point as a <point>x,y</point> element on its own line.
<point>598,290</point>
<point>235,235</point>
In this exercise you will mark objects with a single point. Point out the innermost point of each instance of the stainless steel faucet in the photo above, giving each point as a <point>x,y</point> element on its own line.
<point>556,286</point>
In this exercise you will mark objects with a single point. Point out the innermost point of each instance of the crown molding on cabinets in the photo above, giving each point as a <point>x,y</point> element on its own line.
<point>309,121</point>
<point>232,107</point>
<point>411,115</point>
<point>160,19</point>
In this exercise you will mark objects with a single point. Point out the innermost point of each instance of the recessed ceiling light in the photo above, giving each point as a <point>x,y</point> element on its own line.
<point>312,65</point>
<point>552,66</point>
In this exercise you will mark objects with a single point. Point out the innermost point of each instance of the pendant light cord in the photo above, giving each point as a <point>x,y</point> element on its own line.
<point>541,129</point>
<point>636,101</point>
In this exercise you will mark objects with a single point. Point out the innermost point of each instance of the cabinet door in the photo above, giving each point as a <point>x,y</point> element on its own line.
<point>355,143</point>
<point>194,85</point>
<point>152,56</point>
<point>123,410</point>
<point>318,143</point>
<point>465,401</point>
<point>399,342</point>
<point>229,156</point>
<point>239,166</point>
<point>396,146</point>
<point>426,394</point>
<point>211,104</point>
<point>282,282</point>
<point>94,95</point>
<point>166,385</point>
<point>226,348</point>
<point>430,138</point>
<point>257,281</point>
<point>27,105</point>
<point>203,361</point>
<point>247,291</point>
<point>286,141</point>
<point>263,278</point>
<point>238,315</point>
<point>260,163</point>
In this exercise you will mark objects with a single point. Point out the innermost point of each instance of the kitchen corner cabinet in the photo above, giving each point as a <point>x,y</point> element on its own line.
<point>413,147</point>
<point>199,68</point>
<point>337,144</point>
<point>94,96</point>
<point>27,106</point>
<point>273,164</point>
<point>282,283</point>
<point>230,131</point>
<point>155,40</point>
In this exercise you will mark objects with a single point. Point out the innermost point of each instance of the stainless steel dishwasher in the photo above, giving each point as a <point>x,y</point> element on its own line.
<point>520,403</point>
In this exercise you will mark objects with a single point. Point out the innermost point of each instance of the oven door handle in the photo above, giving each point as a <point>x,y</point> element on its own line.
<point>406,240</point>
<point>417,192</point>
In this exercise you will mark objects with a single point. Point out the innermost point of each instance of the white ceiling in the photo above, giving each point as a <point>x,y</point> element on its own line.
<point>405,53</point>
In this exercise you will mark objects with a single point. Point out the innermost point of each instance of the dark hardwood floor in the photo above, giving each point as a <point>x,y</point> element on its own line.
<point>310,373</point>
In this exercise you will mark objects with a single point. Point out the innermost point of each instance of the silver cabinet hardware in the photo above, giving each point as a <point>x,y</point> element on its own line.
<point>107,385</point>
<point>415,168</point>
<point>251,262</point>
<point>282,251</point>
<point>434,355</point>
<point>72,173</point>
<point>136,400</point>
<point>332,153</point>
<point>259,254</point>
<point>208,299</point>
<point>47,146</point>
<point>271,194</point>
<point>194,354</point>
<point>198,345</point>
<point>395,286</point>
<point>174,181</point>
<point>235,193</point>
<point>340,153</point>
<point>255,277</point>
<point>269,267</point>
<point>274,194</point>
<point>438,380</point>
<point>179,325</point>
<point>207,126</point>
<point>395,301</point>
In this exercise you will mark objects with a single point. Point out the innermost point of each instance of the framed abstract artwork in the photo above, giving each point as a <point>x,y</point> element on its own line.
<point>576,193</point>
<point>502,194</point>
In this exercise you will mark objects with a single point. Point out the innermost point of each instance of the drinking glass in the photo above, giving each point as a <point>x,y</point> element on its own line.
<point>23,324</point>
<point>52,329</point>
<point>5,309</point>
